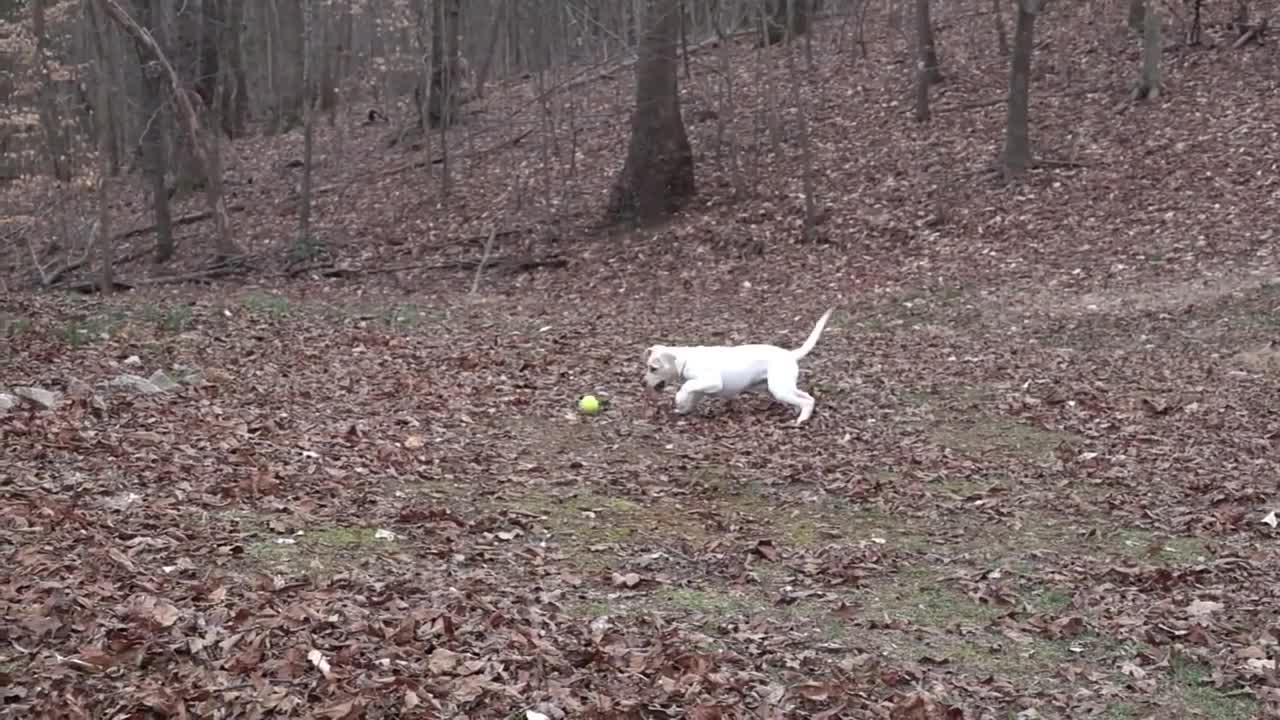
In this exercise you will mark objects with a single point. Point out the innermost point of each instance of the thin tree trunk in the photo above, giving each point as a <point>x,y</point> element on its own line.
<point>806,149</point>
<point>50,119</point>
<point>106,252</point>
<point>443,98</point>
<point>1152,46</point>
<point>729,111</point>
<point>308,126</point>
<point>1017,144</point>
<point>447,20</point>
<point>1136,20</point>
<point>205,151</point>
<point>236,100</point>
<point>150,16</point>
<point>495,31</point>
<point>924,70</point>
<point>1002,35</point>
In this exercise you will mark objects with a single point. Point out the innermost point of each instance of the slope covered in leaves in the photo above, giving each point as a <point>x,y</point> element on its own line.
<point>1037,482</point>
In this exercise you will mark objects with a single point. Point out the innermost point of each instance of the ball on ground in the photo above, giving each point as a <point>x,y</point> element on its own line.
<point>589,404</point>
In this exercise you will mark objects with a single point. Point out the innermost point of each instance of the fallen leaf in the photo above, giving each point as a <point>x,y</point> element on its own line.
<point>321,663</point>
<point>629,580</point>
<point>1203,608</point>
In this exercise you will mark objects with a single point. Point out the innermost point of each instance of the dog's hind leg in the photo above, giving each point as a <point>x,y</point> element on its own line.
<point>782,385</point>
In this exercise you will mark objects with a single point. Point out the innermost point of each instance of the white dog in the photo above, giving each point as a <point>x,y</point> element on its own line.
<point>725,371</point>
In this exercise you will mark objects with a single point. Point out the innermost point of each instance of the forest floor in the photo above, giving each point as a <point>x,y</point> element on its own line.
<point>1040,482</point>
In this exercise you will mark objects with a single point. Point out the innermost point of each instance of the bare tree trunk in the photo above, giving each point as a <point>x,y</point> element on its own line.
<point>150,16</point>
<point>443,98</point>
<point>105,126</point>
<point>1136,11</point>
<point>486,64</point>
<point>205,151</point>
<point>308,127</point>
<point>99,36</point>
<point>1152,46</point>
<point>784,22</point>
<point>50,120</point>
<point>729,111</point>
<point>426,46</point>
<point>657,178</point>
<point>442,87</point>
<point>772,116</point>
<point>925,56</point>
<point>1017,143</point>
<point>933,68</point>
<point>1002,35</point>
<point>235,101</point>
<point>806,149</point>
<point>275,119</point>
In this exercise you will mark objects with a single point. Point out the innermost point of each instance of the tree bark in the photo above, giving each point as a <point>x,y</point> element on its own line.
<point>657,178</point>
<point>308,127</point>
<point>153,125</point>
<point>105,126</point>
<point>784,24</point>
<point>925,59</point>
<point>55,145</point>
<point>486,63</point>
<point>205,153</point>
<point>235,89</point>
<point>443,97</point>
<point>1152,47</point>
<point>1017,143</point>
<point>1002,36</point>
<point>1137,9</point>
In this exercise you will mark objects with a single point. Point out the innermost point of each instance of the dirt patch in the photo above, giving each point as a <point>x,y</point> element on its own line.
<point>1265,360</point>
<point>967,418</point>
<point>1152,296</point>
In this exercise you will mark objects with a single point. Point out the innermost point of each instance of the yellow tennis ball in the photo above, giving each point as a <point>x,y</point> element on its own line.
<point>589,404</point>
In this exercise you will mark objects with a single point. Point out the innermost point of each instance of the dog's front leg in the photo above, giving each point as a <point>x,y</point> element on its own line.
<point>694,388</point>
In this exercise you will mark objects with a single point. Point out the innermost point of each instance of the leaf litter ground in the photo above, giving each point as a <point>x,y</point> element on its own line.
<point>1034,485</point>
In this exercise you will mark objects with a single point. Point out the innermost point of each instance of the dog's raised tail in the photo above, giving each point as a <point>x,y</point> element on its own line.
<point>812,340</point>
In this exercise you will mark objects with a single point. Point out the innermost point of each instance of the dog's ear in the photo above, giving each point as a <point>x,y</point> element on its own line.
<point>666,357</point>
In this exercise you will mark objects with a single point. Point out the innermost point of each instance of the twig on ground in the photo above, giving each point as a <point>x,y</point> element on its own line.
<point>488,247</point>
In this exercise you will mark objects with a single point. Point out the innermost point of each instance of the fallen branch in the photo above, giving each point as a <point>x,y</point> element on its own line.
<point>1254,32</point>
<point>509,263</point>
<point>179,221</point>
<point>418,164</point>
<point>223,269</point>
<point>973,105</point>
<point>1049,162</point>
<point>328,264</point>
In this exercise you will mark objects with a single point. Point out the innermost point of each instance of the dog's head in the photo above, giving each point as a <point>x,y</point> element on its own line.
<point>660,367</point>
